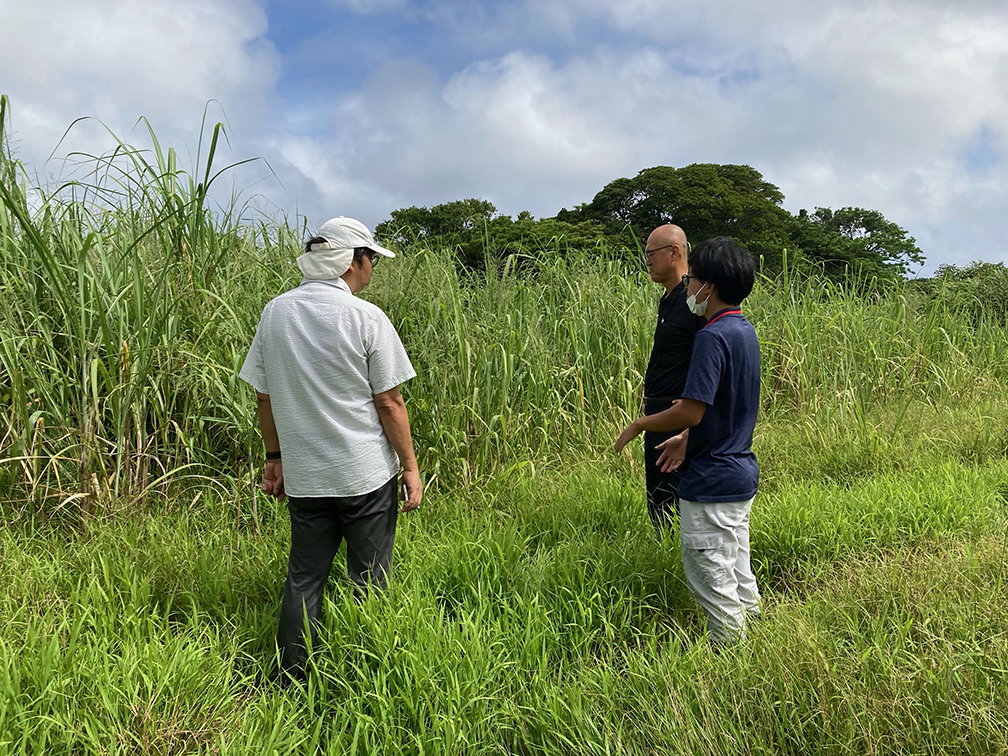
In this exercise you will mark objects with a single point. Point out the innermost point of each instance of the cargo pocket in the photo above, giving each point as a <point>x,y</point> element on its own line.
<point>705,551</point>
<point>702,542</point>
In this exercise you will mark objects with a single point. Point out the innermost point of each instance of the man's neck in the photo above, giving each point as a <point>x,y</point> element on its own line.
<point>675,279</point>
<point>353,281</point>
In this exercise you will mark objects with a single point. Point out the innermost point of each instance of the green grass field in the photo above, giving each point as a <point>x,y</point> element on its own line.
<point>526,616</point>
<point>532,608</point>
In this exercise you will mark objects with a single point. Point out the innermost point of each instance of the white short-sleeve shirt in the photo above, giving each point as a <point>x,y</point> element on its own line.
<point>322,354</point>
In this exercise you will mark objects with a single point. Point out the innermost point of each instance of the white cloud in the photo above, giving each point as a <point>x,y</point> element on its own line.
<point>853,102</point>
<point>866,103</point>
<point>515,130</point>
<point>116,60</point>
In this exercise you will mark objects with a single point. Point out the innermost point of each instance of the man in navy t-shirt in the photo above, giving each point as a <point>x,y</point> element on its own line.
<point>719,475</point>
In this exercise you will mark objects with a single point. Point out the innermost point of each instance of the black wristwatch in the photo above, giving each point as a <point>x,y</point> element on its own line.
<point>272,455</point>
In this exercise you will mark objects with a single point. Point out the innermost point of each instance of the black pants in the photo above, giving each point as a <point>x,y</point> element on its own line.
<point>662,488</point>
<point>318,526</point>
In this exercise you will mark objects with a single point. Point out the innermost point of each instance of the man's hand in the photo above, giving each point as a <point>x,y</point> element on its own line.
<point>273,482</point>
<point>414,490</point>
<point>673,452</point>
<point>629,434</point>
<point>395,422</point>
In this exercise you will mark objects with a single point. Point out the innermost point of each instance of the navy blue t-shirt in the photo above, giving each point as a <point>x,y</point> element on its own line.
<point>724,374</point>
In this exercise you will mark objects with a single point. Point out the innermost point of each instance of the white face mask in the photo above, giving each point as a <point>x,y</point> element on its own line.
<point>697,308</point>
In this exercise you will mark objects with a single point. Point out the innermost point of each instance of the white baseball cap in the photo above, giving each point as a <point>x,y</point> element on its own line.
<point>347,233</point>
<point>331,258</point>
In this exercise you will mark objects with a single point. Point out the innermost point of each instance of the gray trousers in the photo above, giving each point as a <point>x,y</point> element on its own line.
<point>318,526</point>
<point>716,560</point>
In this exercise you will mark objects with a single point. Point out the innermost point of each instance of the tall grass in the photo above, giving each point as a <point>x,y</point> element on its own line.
<point>118,296</point>
<point>130,304</point>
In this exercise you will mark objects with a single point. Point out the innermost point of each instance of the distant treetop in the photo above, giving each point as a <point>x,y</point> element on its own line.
<point>706,199</point>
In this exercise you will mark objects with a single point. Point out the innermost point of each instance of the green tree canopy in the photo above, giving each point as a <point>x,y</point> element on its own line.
<point>474,229</point>
<point>451,219</point>
<point>707,200</point>
<point>853,240</point>
<point>980,290</point>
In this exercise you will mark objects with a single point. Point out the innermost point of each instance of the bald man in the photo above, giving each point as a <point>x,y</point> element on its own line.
<point>665,257</point>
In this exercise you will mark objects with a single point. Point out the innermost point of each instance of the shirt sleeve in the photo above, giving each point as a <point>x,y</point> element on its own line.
<point>706,369</point>
<point>387,361</point>
<point>253,370</point>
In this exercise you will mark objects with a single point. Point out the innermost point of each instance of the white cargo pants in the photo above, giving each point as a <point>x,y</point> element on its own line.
<point>715,552</point>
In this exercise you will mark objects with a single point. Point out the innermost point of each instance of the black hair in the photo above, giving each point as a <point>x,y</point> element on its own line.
<point>726,264</point>
<point>358,253</point>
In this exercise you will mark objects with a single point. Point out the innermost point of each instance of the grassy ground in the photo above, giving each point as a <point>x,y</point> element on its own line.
<point>532,615</point>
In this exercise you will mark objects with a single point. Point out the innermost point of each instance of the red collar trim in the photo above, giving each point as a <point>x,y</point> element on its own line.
<point>732,311</point>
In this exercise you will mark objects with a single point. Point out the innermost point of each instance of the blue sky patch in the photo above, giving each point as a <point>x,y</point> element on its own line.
<point>984,151</point>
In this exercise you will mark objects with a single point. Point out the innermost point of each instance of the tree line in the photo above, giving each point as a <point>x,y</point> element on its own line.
<point>706,199</point>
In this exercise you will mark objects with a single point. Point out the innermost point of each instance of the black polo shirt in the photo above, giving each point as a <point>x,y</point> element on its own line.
<point>673,345</point>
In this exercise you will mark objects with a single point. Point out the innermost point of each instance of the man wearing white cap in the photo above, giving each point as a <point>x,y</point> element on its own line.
<point>326,367</point>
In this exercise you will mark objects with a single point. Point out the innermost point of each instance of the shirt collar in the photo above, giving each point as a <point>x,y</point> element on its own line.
<point>675,289</point>
<point>732,310</point>
<point>338,283</point>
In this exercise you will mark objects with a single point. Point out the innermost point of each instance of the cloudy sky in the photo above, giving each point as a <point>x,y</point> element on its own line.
<point>363,106</point>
